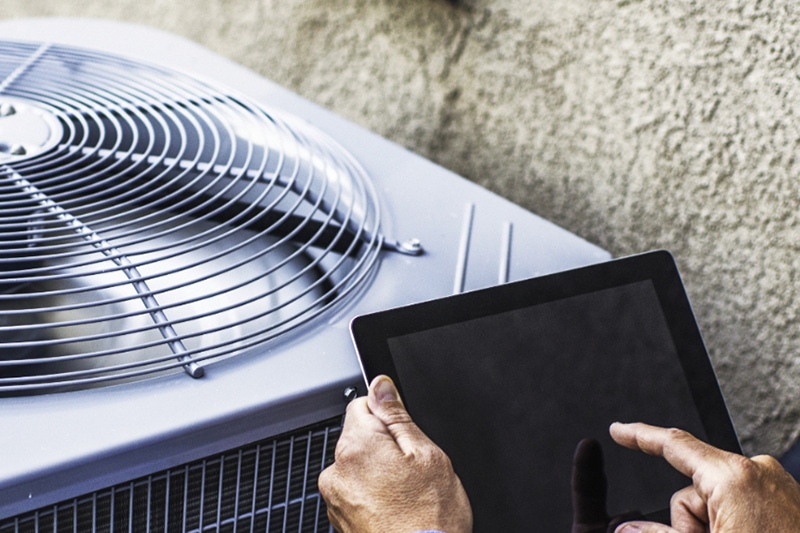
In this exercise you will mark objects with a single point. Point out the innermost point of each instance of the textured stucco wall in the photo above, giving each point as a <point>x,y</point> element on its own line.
<point>637,124</point>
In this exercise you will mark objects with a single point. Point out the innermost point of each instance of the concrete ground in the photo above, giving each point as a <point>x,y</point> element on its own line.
<point>636,124</point>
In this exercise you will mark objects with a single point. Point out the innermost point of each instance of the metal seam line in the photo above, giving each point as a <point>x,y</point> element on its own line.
<point>505,253</point>
<point>463,249</point>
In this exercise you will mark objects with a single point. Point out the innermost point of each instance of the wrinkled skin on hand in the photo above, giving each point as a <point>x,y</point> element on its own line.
<point>729,492</point>
<point>388,476</point>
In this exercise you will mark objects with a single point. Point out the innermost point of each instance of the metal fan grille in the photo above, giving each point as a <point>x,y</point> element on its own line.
<point>151,221</point>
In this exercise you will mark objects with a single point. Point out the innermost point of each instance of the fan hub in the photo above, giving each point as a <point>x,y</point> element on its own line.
<point>26,130</point>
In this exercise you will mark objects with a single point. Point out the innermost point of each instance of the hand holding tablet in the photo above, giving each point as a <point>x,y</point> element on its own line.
<point>384,481</point>
<point>388,476</point>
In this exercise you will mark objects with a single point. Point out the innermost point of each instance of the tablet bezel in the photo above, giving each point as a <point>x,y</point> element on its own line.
<point>371,332</point>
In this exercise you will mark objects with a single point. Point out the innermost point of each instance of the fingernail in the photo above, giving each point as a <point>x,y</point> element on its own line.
<point>385,390</point>
<point>617,426</point>
<point>628,528</point>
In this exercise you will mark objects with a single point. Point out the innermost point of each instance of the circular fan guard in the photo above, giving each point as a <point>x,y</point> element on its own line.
<point>150,221</point>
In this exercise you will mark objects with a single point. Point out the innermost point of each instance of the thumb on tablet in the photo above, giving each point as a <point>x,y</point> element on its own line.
<point>385,403</point>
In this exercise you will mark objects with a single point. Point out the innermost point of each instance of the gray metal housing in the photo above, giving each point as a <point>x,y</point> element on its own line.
<point>57,446</point>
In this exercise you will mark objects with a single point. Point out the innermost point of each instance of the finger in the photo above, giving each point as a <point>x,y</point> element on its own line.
<point>384,402</point>
<point>688,511</point>
<point>383,394</point>
<point>356,416</point>
<point>589,485</point>
<point>355,409</point>
<point>683,451</point>
<point>644,527</point>
<point>361,428</point>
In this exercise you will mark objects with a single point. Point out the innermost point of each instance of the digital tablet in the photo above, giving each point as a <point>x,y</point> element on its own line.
<point>507,380</point>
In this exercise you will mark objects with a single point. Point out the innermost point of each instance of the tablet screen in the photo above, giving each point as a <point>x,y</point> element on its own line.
<point>509,393</point>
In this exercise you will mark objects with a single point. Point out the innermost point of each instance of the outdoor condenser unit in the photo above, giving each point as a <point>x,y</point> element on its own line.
<point>182,246</point>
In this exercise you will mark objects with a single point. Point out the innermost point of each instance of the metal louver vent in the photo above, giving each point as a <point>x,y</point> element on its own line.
<point>150,221</point>
<point>269,486</point>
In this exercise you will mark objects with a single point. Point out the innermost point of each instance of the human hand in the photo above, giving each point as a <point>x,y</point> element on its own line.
<point>388,476</point>
<point>729,492</point>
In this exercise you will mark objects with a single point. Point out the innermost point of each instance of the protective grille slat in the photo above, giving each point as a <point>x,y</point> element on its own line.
<point>153,221</point>
<point>219,493</point>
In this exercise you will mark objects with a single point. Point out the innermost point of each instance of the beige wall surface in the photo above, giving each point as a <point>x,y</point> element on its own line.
<point>636,124</point>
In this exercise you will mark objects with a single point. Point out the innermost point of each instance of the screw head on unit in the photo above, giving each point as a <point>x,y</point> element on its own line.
<point>412,247</point>
<point>350,394</point>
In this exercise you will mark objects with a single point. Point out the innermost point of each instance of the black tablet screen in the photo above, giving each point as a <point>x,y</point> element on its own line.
<point>517,390</point>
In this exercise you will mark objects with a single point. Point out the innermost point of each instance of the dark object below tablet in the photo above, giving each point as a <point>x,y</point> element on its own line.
<point>507,381</point>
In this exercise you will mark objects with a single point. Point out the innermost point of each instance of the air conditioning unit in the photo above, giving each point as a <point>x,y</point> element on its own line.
<point>182,246</point>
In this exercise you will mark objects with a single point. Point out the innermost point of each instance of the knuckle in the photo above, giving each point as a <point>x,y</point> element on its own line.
<point>677,434</point>
<point>767,461</point>
<point>743,470</point>
<point>339,453</point>
<point>434,457</point>
<point>355,404</point>
<point>325,482</point>
<point>343,452</point>
<point>675,437</point>
<point>441,458</point>
<point>770,468</point>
